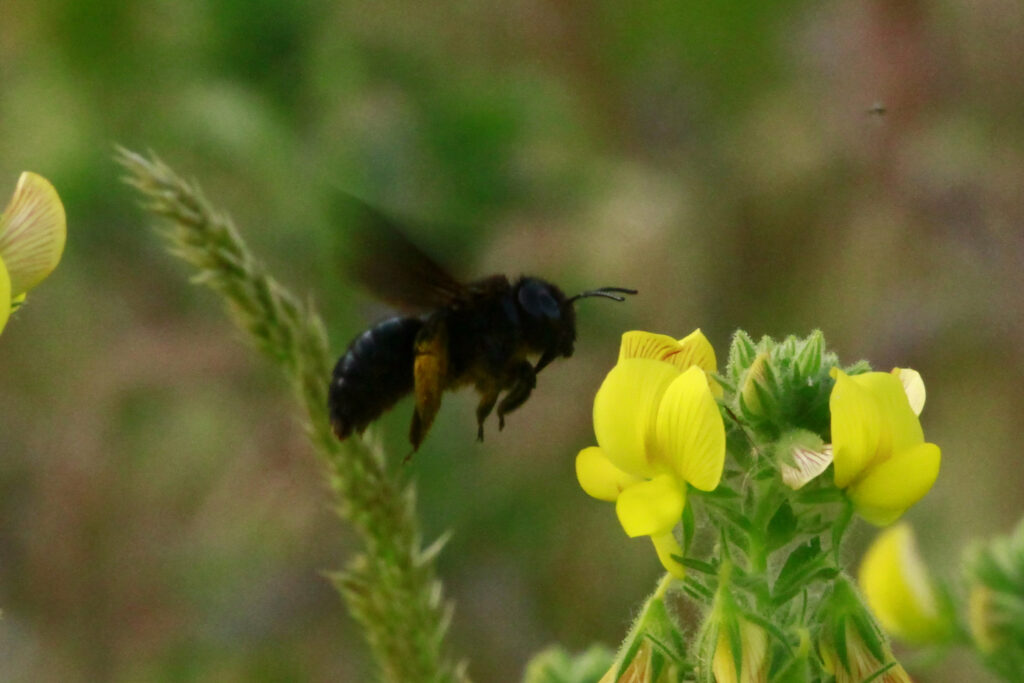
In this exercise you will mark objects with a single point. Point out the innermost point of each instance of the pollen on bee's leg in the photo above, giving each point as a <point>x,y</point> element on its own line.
<point>340,430</point>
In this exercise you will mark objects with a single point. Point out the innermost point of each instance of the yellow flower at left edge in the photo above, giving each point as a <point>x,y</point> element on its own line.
<point>880,456</point>
<point>658,429</point>
<point>33,230</point>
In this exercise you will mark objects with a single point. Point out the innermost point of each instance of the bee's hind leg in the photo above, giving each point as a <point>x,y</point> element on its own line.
<point>524,379</point>
<point>488,397</point>
<point>430,369</point>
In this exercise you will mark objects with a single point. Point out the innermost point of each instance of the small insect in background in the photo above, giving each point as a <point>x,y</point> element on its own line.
<point>480,333</point>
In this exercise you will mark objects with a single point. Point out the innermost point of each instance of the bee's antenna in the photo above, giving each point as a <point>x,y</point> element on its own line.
<point>606,292</point>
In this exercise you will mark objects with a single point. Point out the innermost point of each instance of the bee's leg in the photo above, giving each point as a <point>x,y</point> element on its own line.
<point>488,397</point>
<point>429,372</point>
<point>523,380</point>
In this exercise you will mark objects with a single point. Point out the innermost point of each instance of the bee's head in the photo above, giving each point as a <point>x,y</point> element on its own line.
<point>549,318</point>
<point>548,321</point>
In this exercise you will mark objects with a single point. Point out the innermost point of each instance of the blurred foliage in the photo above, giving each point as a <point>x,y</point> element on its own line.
<point>161,517</point>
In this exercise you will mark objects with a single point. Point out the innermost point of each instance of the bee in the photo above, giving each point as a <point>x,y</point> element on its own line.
<point>480,334</point>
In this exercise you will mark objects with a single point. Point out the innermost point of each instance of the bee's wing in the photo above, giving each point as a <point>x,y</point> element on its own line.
<point>380,257</point>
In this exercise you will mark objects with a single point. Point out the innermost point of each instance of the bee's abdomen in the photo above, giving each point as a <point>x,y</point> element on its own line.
<point>375,371</point>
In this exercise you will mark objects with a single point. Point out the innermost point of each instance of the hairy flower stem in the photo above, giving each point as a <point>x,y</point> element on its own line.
<point>391,587</point>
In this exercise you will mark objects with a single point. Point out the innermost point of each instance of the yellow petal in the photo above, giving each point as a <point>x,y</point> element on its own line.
<point>651,508</point>
<point>649,345</point>
<point>690,434</point>
<point>900,426</point>
<point>897,588</point>
<point>697,350</point>
<point>666,546</point>
<point>856,428</point>
<point>913,385</point>
<point>625,411</point>
<point>599,477</point>
<point>5,295</point>
<point>33,229</point>
<point>891,487</point>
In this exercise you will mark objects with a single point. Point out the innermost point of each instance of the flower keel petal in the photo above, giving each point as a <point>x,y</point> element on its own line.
<point>652,507</point>
<point>666,546</point>
<point>893,486</point>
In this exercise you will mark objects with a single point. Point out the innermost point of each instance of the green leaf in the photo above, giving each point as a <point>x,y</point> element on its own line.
<point>781,527</point>
<point>709,568</point>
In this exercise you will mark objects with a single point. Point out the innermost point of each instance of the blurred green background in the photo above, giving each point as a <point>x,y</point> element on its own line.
<point>852,166</point>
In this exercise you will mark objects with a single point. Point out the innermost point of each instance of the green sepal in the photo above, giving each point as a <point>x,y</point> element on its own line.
<point>881,672</point>
<point>815,496</point>
<point>839,528</point>
<point>811,354</point>
<point>709,568</point>
<point>742,351</point>
<point>735,645</point>
<point>689,527</point>
<point>870,634</point>
<point>839,641</point>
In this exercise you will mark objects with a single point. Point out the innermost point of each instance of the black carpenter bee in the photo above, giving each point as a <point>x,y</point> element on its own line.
<point>479,333</point>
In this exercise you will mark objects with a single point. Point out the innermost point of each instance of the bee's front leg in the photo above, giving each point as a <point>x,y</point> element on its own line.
<point>488,397</point>
<point>523,380</point>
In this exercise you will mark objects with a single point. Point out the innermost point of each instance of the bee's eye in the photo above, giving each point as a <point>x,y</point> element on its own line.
<point>536,299</point>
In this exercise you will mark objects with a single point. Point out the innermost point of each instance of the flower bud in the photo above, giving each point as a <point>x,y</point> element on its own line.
<point>750,654</point>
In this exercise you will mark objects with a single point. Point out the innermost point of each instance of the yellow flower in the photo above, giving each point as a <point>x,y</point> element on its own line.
<point>658,428</point>
<point>880,455</point>
<point>860,662</point>
<point>33,230</point>
<point>753,656</point>
<point>898,590</point>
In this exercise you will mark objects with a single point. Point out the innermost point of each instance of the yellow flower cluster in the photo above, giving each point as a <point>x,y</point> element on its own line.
<point>32,234</point>
<point>658,429</point>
